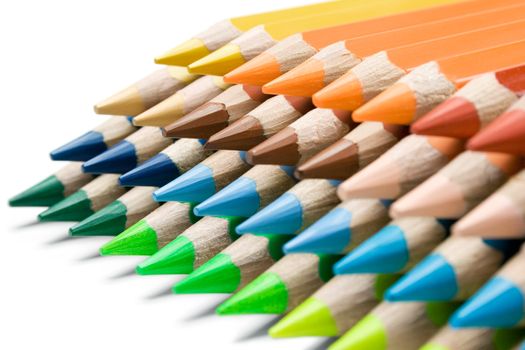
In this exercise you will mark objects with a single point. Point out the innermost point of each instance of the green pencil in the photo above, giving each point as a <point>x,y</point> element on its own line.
<point>396,326</point>
<point>153,232</point>
<point>86,201</point>
<point>194,247</point>
<point>54,188</point>
<point>118,215</point>
<point>237,265</point>
<point>282,287</point>
<point>335,307</point>
<point>449,338</point>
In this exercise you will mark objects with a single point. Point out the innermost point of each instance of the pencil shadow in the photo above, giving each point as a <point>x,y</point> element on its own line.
<point>164,292</point>
<point>324,344</point>
<point>59,240</point>
<point>90,257</point>
<point>259,332</point>
<point>27,225</point>
<point>207,312</point>
<point>124,274</point>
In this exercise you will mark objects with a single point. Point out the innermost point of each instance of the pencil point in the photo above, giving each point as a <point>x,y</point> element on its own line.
<point>156,171</point>
<point>243,134</point>
<point>303,80</point>
<point>125,102</point>
<point>369,333</point>
<point>82,148</point>
<point>138,239</point>
<point>258,71</point>
<point>433,279</point>
<point>218,275</point>
<point>240,198</point>
<point>311,318</point>
<point>76,207</point>
<point>119,159</point>
<point>108,221</point>
<point>456,117</point>
<point>219,62</point>
<point>338,161</point>
<point>505,134</point>
<point>45,193</point>
<point>163,113</point>
<point>176,257</point>
<point>384,252</point>
<point>498,304</point>
<point>396,105</point>
<point>344,93</point>
<point>280,149</point>
<point>267,294</point>
<point>282,216</point>
<point>184,54</point>
<point>200,123</point>
<point>195,185</point>
<point>327,235</point>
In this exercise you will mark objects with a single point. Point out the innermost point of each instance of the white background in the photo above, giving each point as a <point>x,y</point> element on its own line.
<point>57,59</point>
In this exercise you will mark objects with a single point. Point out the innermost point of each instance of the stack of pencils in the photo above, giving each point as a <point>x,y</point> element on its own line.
<point>354,165</point>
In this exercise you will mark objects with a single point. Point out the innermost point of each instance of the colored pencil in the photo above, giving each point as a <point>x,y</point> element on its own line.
<point>453,271</point>
<point>96,141</point>
<point>199,243</point>
<point>396,326</point>
<point>353,152</point>
<point>234,267</point>
<point>401,168</point>
<point>118,215</point>
<point>299,47</point>
<point>225,31</point>
<point>182,102</point>
<point>260,124</point>
<point>170,163</point>
<point>154,231</point>
<point>218,113</point>
<point>426,86</point>
<point>54,188</point>
<point>303,138</point>
<point>502,215</point>
<point>295,210</point>
<point>258,39</point>
<point>342,228</point>
<point>433,40</point>
<point>90,198</point>
<point>128,153</point>
<point>499,303</point>
<point>205,179</point>
<point>449,338</point>
<point>459,186</point>
<point>146,92</point>
<point>335,307</point>
<point>282,287</point>
<point>506,134</point>
<point>254,190</point>
<point>395,248</point>
<point>474,106</point>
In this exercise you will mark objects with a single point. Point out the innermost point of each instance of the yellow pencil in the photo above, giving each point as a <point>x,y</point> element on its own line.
<point>258,39</point>
<point>225,31</point>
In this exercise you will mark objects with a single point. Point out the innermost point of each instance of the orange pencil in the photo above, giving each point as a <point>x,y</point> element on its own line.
<point>335,60</point>
<point>430,84</point>
<point>505,134</point>
<point>379,71</point>
<point>297,48</point>
<point>475,105</point>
